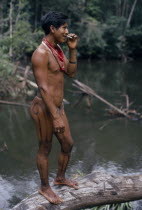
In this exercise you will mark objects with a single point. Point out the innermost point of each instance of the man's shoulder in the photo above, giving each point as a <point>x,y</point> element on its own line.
<point>41,50</point>
<point>40,54</point>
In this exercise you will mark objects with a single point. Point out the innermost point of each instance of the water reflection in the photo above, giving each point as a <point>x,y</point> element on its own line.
<point>101,143</point>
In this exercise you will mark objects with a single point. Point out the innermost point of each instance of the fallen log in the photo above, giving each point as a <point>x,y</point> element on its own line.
<point>86,89</point>
<point>94,189</point>
<point>13,103</point>
<point>33,84</point>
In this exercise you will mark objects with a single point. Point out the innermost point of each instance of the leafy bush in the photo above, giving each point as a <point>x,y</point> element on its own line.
<point>6,66</point>
<point>134,41</point>
<point>92,43</point>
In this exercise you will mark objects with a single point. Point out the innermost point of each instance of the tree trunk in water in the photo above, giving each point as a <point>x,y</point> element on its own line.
<point>94,189</point>
<point>131,14</point>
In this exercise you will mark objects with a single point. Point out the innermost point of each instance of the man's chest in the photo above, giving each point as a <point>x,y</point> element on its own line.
<point>54,65</point>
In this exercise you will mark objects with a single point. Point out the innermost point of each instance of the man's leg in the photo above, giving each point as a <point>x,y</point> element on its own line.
<point>66,142</point>
<point>45,132</point>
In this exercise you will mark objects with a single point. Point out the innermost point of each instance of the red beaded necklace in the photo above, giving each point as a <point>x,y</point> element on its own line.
<point>57,52</point>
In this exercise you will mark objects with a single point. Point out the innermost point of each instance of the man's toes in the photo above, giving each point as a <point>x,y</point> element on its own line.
<point>75,187</point>
<point>61,200</point>
<point>76,183</point>
<point>58,201</point>
<point>54,201</point>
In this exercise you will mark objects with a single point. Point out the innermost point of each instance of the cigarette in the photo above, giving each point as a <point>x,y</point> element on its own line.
<point>68,36</point>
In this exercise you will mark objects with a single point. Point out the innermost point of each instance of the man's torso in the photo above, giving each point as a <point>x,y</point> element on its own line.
<point>55,77</point>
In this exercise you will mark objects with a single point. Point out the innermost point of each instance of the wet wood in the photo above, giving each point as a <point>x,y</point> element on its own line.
<point>31,83</point>
<point>13,103</point>
<point>95,189</point>
<point>86,89</point>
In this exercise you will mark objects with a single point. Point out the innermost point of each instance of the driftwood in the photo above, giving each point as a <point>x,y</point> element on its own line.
<point>13,103</point>
<point>95,189</point>
<point>33,84</point>
<point>87,92</point>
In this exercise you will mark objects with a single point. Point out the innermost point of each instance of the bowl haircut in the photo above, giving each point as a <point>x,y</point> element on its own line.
<point>53,18</point>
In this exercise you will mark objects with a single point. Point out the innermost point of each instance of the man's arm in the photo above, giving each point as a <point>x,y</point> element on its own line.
<point>40,63</point>
<point>72,63</point>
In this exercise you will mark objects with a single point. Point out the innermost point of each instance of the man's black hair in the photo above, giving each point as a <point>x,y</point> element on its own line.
<point>53,18</point>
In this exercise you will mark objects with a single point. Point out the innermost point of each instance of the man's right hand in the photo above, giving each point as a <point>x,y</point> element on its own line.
<point>58,125</point>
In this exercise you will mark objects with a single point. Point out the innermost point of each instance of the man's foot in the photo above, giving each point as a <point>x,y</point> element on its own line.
<point>50,195</point>
<point>68,182</point>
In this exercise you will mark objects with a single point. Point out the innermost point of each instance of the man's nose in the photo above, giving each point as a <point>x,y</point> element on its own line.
<point>66,31</point>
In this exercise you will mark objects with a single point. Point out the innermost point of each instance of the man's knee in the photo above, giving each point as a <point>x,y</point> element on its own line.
<point>45,148</point>
<point>67,145</point>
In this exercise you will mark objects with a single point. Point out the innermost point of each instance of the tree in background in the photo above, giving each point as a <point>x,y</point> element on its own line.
<point>18,37</point>
<point>105,28</point>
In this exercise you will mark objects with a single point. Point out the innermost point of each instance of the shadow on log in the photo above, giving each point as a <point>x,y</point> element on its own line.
<point>95,189</point>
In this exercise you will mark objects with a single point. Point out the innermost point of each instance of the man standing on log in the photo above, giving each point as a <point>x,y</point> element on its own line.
<point>49,67</point>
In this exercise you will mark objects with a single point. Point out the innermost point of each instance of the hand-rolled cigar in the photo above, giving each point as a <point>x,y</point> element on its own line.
<point>68,36</point>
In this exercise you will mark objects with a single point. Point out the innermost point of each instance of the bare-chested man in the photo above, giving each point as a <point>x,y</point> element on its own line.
<point>49,67</point>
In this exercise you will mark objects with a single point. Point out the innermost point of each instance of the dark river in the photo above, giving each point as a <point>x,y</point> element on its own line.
<point>102,143</point>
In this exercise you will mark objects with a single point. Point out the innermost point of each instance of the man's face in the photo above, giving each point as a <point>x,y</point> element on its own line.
<point>61,33</point>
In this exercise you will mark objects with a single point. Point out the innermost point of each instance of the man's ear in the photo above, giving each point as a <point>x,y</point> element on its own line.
<point>52,29</point>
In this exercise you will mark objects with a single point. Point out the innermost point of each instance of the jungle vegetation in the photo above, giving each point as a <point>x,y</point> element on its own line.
<point>106,29</point>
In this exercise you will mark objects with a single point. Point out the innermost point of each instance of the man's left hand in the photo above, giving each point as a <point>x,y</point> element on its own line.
<point>72,40</point>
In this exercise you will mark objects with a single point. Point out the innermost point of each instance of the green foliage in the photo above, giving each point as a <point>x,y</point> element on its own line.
<point>134,41</point>
<point>93,9</point>
<point>7,77</point>
<point>92,43</point>
<point>100,25</point>
<point>103,40</point>
<point>113,33</point>
<point>24,42</point>
<point>6,66</point>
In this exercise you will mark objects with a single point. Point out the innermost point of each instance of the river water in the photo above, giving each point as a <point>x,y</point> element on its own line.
<point>102,143</point>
